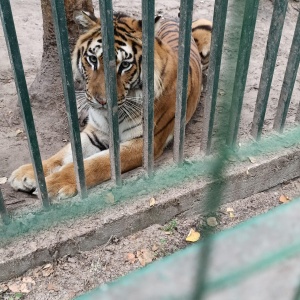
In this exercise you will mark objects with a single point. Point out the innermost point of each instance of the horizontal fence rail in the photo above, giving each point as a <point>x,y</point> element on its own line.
<point>20,81</point>
<point>60,25</point>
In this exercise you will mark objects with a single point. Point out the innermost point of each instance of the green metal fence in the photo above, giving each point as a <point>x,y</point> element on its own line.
<point>210,166</point>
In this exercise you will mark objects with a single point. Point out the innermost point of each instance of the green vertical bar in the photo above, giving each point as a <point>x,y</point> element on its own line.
<point>219,20</point>
<point>185,26</point>
<point>249,20</point>
<point>61,32</point>
<point>20,81</point>
<point>277,22</point>
<point>3,211</point>
<point>148,82</point>
<point>107,29</point>
<point>289,80</point>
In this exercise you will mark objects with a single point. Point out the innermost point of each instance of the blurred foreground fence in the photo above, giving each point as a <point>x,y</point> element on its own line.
<point>213,166</point>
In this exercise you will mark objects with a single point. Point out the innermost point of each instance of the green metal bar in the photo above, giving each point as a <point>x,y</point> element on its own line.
<point>107,29</point>
<point>219,20</point>
<point>61,32</point>
<point>148,83</point>
<point>186,15</point>
<point>277,22</point>
<point>249,20</point>
<point>298,115</point>
<point>288,81</point>
<point>3,211</point>
<point>23,96</point>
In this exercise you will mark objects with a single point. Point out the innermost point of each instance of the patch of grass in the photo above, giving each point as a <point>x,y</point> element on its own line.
<point>171,226</point>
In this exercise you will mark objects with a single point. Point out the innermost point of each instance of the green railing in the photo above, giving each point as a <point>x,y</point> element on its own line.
<point>211,166</point>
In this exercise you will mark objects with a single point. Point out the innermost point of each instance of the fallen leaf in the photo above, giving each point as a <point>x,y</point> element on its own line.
<point>193,236</point>
<point>18,131</point>
<point>284,199</point>
<point>252,159</point>
<point>230,209</point>
<point>109,198</point>
<point>145,256</point>
<point>14,287</point>
<point>3,180</point>
<point>28,280</point>
<point>167,232</point>
<point>212,221</point>
<point>152,202</point>
<point>24,288</point>
<point>231,215</point>
<point>47,266</point>
<point>47,270</point>
<point>130,257</point>
<point>3,288</point>
<point>154,248</point>
<point>71,260</point>
<point>52,287</point>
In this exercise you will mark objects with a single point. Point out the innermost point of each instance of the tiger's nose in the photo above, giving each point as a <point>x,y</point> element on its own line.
<point>100,99</point>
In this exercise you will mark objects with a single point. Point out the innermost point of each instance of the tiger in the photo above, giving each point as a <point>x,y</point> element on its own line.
<point>87,63</point>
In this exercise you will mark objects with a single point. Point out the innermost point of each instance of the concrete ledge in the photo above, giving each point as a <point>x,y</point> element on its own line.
<point>82,234</point>
<point>258,259</point>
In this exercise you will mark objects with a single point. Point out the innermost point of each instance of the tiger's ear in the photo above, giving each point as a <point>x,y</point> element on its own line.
<point>156,23</point>
<point>85,20</point>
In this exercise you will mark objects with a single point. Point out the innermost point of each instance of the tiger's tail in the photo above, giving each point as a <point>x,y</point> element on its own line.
<point>201,32</point>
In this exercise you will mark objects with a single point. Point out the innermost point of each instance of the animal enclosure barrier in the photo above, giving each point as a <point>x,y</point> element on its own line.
<point>214,140</point>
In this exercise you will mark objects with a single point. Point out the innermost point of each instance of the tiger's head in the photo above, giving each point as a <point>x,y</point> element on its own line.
<point>87,57</point>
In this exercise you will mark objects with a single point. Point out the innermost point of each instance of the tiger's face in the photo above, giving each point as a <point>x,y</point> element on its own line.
<point>88,58</point>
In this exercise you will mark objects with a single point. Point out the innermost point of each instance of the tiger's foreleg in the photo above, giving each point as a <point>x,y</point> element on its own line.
<point>23,178</point>
<point>97,169</point>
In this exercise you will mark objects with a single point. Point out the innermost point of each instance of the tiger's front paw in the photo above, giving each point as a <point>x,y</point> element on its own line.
<point>61,185</point>
<point>23,179</point>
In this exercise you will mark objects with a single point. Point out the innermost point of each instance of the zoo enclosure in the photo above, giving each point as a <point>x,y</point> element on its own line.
<point>186,8</point>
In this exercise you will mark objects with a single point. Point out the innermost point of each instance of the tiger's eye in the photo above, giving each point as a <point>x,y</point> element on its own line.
<point>125,64</point>
<point>93,59</point>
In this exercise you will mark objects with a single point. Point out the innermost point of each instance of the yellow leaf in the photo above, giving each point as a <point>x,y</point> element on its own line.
<point>212,221</point>
<point>3,180</point>
<point>231,215</point>
<point>152,202</point>
<point>193,236</point>
<point>284,199</point>
<point>229,209</point>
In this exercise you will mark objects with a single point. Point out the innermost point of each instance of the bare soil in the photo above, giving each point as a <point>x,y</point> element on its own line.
<point>71,276</point>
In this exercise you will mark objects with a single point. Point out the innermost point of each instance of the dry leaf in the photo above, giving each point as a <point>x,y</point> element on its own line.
<point>167,232</point>
<point>231,215</point>
<point>154,248</point>
<point>212,221</point>
<point>193,236</point>
<point>47,266</point>
<point>145,256</point>
<point>28,280</point>
<point>47,270</point>
<point>109,198</point>
<point>252,159</point>
<point>3,288</point>
<point>14,287</point>
<point>152,202</point>
<point>24,289</point>
<point>3,180</point>
<point>284,199</point>
<point>230,209</point>
<point>52,287</point>
<point>130,257</point>
<point>18,131</point>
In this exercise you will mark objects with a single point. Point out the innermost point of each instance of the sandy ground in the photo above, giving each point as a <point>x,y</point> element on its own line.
<point>63,279</point>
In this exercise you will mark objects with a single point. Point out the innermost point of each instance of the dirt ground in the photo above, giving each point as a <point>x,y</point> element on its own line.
<point>71,276</point>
